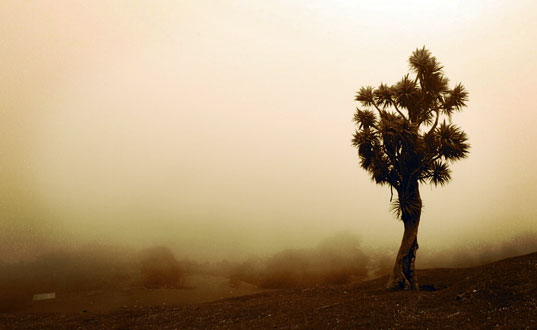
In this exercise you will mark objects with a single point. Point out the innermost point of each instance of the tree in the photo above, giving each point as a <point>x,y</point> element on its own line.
<point>402,144</point>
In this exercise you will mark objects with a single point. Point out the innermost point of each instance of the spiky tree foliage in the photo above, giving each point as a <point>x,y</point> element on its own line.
<point>405,137</point>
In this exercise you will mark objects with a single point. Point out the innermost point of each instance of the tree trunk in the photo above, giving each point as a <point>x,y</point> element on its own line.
<point>404,275</point>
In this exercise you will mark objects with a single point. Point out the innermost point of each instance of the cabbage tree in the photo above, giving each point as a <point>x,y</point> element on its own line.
<point>405,137</point>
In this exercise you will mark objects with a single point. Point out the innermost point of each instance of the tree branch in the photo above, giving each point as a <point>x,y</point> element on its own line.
<point>435,121</point>
<point>425,163</point>
<point>416,79</point>
<point>392,162</point>
<point>399,111</point>
<point>378,109</point>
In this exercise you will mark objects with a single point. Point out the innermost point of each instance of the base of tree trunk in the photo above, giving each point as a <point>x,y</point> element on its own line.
<point>404,275</point>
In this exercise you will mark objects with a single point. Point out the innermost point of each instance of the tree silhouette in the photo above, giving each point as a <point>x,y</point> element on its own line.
<point>402,143</point>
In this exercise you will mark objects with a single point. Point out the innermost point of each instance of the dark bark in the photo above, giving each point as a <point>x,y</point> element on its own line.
<point>404,276</point>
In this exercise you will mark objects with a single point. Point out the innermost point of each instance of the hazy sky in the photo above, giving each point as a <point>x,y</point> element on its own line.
<point>223,128</point>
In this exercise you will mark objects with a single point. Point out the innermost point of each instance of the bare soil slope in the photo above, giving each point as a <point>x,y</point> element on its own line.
<point>501,294</point>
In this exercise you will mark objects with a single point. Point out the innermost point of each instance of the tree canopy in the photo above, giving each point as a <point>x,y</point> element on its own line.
<point>405,135</point>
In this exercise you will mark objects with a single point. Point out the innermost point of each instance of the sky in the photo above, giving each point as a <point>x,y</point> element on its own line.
<point>223,128</point>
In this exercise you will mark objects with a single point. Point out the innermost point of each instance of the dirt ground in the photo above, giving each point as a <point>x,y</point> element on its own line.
<point>498,295</point>
<point>198,289</point>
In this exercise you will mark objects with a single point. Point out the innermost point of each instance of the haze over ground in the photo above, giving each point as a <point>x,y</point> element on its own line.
<point>222,128</point>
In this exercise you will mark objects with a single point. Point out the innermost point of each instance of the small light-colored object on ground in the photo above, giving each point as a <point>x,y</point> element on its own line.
<point>454,314</point>
<point>44,296</point>
<point>327,306</point>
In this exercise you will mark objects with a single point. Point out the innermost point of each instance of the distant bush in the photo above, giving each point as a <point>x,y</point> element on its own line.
<point>160,269</point>
<point>335,261</point>
<point>480,253</point>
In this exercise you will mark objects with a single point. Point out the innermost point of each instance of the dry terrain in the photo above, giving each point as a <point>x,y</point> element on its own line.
<point>501,294</point>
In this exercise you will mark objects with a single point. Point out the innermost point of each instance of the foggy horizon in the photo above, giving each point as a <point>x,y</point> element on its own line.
<point>223,129</point>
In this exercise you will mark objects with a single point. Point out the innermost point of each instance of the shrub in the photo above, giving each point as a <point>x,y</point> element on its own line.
<point>160,269</point>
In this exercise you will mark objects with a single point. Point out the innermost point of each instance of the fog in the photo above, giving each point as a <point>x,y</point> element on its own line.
<point>222,129</point>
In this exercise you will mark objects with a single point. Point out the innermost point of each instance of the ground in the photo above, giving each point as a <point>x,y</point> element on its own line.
<point>501,294</point>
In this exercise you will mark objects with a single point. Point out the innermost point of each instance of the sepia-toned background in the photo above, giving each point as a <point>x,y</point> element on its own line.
<point>222,128</point>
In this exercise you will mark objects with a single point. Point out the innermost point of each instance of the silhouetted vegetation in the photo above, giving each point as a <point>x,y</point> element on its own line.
<point>160,269</point>
<point>402,143</point>
<point>336,260</point>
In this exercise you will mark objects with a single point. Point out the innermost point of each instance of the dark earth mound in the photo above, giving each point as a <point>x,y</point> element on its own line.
<point>501,294</point>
